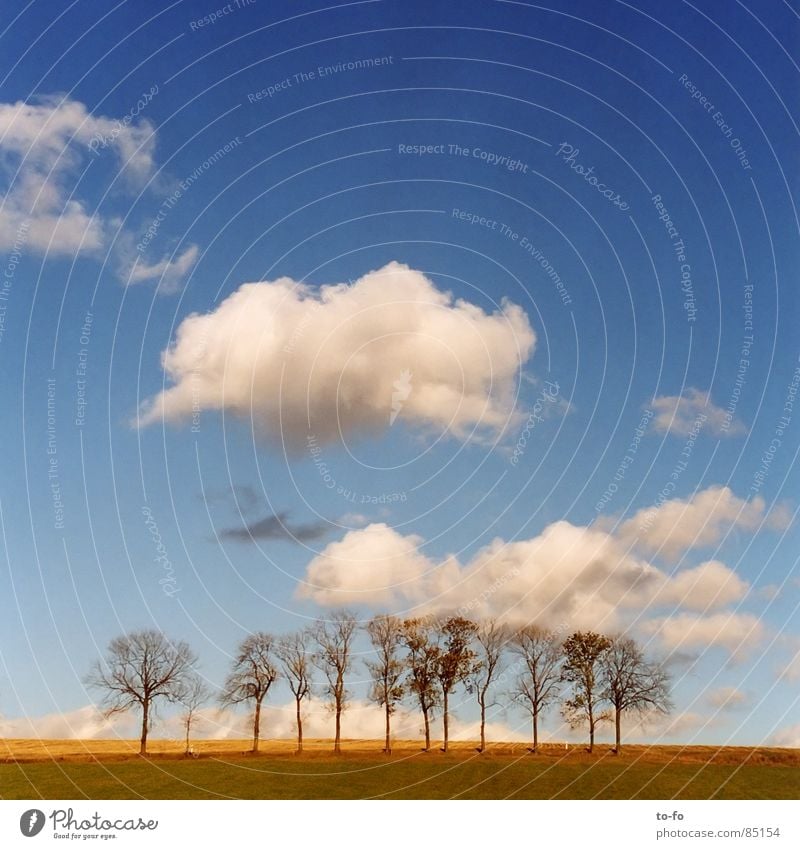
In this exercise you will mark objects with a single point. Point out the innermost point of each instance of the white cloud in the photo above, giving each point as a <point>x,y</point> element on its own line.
<point>567,573</point>
<point>735,632</point>
<point>86,723</point>
<point>304,361</point>
<point>790,669</point>
<point>655,728</point>
<point>353,520</point>
<point>769,592</point>
<point>374,564</point>
<point>566,577</point>
<point>169,272</point>
<point>788,737</point>
<point>681,414</point>
<point>727,698</point>
<point>711,584</point>
<point>42,146</point>
<point>699,521</point>
<point>362,720</point>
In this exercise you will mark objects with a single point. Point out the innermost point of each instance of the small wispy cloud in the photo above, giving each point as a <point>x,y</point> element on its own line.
<point>692,411</point>
<point>170,271</point>
<point>277,526</point>
<point>242,497</point>
<point>727,698</point>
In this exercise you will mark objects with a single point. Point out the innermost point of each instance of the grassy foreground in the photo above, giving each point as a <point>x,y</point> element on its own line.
<point>111,770</point>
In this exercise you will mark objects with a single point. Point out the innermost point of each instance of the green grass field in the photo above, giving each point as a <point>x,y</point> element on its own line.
<point>408,776</point>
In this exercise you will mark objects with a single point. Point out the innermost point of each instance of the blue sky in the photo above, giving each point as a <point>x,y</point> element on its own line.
<point>257,166</point>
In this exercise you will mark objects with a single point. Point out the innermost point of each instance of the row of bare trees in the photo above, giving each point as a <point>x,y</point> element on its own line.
<point>595,677</point>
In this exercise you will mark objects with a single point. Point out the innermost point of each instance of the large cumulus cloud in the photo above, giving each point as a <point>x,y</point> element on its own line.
<point>567,573</point>
<point>567,577</point>
<point>348,358</point>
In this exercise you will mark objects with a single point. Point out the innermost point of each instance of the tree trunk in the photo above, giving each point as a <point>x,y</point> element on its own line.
<point>591,733</point>
<point>337,741</point>
<point>256,727</point>
<point>388,744</point>
<point>145,717</point>
<point>535,731</point>
<point>427,729</point>
<point>188,729</point>
<point>445,721</point>
<point>618,729</point>
<point>483,723</point>
<point>299,728</point>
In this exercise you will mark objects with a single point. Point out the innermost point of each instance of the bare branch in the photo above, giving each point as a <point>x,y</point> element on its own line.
<point>387,672</point>
<point>537,686</point>
<point>333,658</point>
<point>140,669</point>
<point>254,672</point>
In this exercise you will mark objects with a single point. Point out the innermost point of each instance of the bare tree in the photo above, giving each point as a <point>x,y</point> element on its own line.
<point>333,658</point>
<point>457,661</point>
<point>254,672</point>
<point>537,686</point>
<point>385,634</point>
<point>491,639</point>
<point>192,696</point>
<point>633,684</point>
<point>295,656</point>
<point>582,668</point>
<point>422,660</point>
<point>141,669</point>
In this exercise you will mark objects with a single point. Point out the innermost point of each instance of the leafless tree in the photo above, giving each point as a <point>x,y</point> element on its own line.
<point>295,656</point>
<point>537,686</point>
<point>422,659</point>
<point>333,658</point>
<point>632,683</point>
<point>139,670</point>
<point>457,661</point>
<point>387,671</point>
<point>192,696</point>
<point>491,639</point>
<point>582,668</point>
<point>254,672</point>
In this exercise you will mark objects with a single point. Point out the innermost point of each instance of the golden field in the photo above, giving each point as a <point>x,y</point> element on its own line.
<point>34,750</point>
